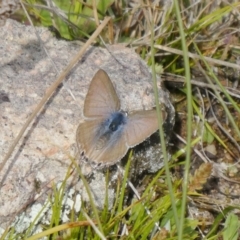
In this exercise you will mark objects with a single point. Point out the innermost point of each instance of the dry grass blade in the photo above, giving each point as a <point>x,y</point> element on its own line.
<point>172,78</point>
<point>196,56</point>
<point>200,177</point>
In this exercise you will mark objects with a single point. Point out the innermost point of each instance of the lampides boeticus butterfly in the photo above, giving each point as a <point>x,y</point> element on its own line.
<point>108,132</point>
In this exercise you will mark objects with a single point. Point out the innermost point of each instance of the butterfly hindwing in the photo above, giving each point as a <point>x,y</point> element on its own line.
<point>86,134</point>
<point>99,146</point>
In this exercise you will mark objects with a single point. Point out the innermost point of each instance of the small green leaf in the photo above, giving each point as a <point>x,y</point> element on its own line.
<point>208,136</point>
<point>231,228</point>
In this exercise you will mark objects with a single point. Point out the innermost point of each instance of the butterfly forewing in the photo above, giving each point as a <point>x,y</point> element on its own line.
<point>101,99</point>
<point>140,125</point>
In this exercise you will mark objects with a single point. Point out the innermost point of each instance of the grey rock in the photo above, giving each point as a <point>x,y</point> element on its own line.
<point>44,154</point>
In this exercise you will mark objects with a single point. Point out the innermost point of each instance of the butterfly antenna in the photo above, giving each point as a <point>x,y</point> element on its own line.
<point>138,196</point>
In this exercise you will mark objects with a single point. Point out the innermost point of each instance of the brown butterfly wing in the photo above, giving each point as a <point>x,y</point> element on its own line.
<point>101,99</point>
<point>111,152</point>
<point>98,149</point>
<point>141,125</point>
<point>86,134</point>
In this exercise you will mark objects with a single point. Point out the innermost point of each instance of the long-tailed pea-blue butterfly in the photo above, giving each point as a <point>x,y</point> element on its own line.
<point>108,132</point>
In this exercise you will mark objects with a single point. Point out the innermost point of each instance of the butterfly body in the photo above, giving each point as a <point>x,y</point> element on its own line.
<point>107,132</point>
<point>110,130</point>
<point>116,121</point>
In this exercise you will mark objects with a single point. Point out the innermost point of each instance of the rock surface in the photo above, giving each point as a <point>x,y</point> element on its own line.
<point>44,155</point>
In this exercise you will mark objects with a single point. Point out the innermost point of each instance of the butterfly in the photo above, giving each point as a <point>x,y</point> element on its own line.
<point>108,132</point>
